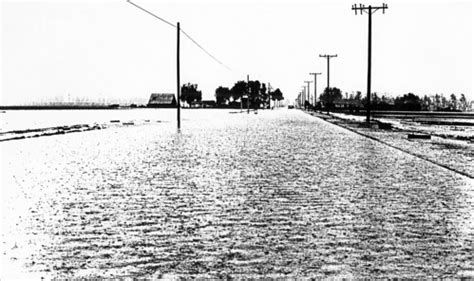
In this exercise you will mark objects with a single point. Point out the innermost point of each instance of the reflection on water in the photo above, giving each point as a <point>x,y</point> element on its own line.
<point>274,194</point>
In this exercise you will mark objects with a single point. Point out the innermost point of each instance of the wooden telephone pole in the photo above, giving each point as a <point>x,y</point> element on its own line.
<point>269,91</point>
<point>303,94</point>
<point>315,85</point>
<point>328,57</point>
<point>178,90</point>
<point>178,29</point>
<point>248,95</point>
<point>369,10</point>
<point>309,98</point>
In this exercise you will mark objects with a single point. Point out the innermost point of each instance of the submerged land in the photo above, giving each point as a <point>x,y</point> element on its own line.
<point>276,194</point>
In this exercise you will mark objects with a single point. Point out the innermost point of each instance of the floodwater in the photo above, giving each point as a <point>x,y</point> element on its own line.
<point>274,194</point>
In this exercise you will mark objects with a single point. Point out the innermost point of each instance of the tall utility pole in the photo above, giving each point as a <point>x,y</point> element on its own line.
<point>328,57</point>
<point>309,98</point>
<point>248,95</point>
<point>178,91</point>
<point>303,90</point>
<point>369,10</point>
<point>269,90</point>
<point>315,85</point>
<point>303,94</point>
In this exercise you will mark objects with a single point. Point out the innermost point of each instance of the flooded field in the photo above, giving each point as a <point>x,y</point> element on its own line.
<point>274,194</point>
<point>447,145</point>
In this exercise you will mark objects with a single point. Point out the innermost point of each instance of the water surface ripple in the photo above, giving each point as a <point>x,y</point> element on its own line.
<point>277,194</point>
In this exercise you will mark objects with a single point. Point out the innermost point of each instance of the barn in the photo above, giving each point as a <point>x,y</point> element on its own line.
<point>162,101</point>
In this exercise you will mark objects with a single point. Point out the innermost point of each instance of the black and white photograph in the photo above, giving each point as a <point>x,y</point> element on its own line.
<point>236,139</point>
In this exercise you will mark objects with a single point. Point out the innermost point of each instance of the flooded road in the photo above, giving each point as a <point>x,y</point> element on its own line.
<point>274,194</point>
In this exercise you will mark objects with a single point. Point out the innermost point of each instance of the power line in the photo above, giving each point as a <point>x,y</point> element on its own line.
<point>204,50</point>
<point>184,33</point>
<point>150,13</point>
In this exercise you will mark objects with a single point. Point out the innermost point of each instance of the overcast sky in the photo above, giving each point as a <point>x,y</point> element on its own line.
<point>111,49</point>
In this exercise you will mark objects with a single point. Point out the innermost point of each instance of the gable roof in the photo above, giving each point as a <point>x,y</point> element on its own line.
<point>162,99</point>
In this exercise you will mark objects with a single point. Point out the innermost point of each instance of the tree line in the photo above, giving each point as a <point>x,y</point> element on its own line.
<point>407,102</point>
<point>256,93</point>
<point>253,92</point>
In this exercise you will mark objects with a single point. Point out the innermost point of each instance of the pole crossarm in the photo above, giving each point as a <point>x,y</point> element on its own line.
<point>328,56</point>
<point>368,9</point>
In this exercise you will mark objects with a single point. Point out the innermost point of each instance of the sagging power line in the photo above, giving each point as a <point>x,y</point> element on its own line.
<point>184,33</point>
<point>179,31</point>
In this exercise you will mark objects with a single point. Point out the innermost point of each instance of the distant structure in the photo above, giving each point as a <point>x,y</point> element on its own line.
<point>208,103</point>
<point>162,101</point>
<point>203,104</point>
<point>351,105</point>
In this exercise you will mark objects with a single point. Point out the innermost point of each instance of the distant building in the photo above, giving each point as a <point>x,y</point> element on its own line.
<point>162,101</point>
<point>208,103</point>
<point>348,104</point>
<point>203,104</point>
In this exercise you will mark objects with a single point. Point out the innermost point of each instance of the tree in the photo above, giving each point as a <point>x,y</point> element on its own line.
<point>238,90</point>
<point>276,95</point>
<point>264,96</point>
<point>254,93</point>
<point>463,105</point>
<point>437,101</point>
<point>426,103</point>
<point>190,93</point>
<point>223,95</point>
<point>375,100</point>
<point>453,102</point>
<point>444,102</point>
<point>409,102</point>
<point>329,96</point>
<point>358,96</point>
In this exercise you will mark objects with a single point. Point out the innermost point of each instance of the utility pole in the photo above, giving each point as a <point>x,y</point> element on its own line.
<point>303,94</point>
<point>369,10</point>
<point>248,95</point>
<point>309,99</point>
<point>177,78</point>
<point>241,107</point>
<point>315,85</point>
<point>178,29</point>
<point>269,95</point>
<point>328,57</point>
